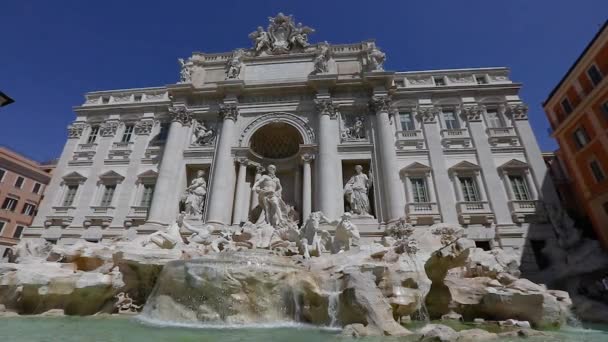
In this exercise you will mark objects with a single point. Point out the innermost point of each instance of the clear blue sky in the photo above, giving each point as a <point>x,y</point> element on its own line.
<point>52,52</point>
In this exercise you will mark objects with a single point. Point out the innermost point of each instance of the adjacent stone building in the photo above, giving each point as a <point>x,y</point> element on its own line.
<point>22,184</point>
<point>578,112</point>
<point>433,146</point>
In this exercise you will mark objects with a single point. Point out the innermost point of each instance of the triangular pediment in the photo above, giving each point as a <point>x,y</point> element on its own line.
<point>74,176</point>
<point>465,166</point>
<point>111,175</point>
<point>514,164</point>
<point>415,167</point>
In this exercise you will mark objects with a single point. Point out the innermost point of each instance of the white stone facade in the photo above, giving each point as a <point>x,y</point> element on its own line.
<point>449,146</point>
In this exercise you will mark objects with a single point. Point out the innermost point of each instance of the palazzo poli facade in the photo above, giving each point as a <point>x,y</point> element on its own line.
<point>452,146</point>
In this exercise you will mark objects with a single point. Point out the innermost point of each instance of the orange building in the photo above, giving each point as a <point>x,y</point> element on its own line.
<point>578,113</point>
<point>22,184</point>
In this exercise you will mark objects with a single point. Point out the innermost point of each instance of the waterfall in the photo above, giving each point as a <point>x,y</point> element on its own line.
<point>333,307</point>
<point>422,314</point>
<point>297,315</point>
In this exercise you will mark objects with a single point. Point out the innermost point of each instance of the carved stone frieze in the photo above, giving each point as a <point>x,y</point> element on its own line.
<point>75,130</point>
<point>144,127</point>
<point>379,104</point>
<point>354,129</point>
<point>108,128</point>
<point>327,107</point>
<point>228,111</point>
<point>203,134</point>
<point>180,114</point>
<point>518,111</point>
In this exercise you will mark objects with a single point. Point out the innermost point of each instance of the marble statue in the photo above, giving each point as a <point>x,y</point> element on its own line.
<point>347,234</point>
<point>125,304</point>
<point>268,188</point>
<point>375,59</point>
<point>282,36</point>
<point>313,241</point>
<point>356,131</point>
<point>195,196</point>
<point>261,40</point>
<point>235,64</point>
<point>203,135</point>
<point>168,237</point>
<point>356,190</point>
<point>185,75</point>
<point>204,236</point>
<point>321,60</point>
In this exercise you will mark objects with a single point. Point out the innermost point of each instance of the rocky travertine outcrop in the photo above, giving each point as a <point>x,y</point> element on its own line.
<point>257,275</point>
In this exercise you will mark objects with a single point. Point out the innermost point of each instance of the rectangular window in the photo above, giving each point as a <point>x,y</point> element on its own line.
<point>70,194</point>
<point>93,135</point>
<point>105,99</point>
<point>146,197</point>
<point>128,132</point>
<point>2,224</point>
<point>18,232</point>
<point>36,188</point>
<point>137,98</point>
<point>494,119</point>
<point>10,204</point>
<point>28,209</point>
<point>597,171</point>
<point>566,105</point>
<point>520,188</point>
<point>419,191</point>
<point>19,182</point>
<point>164,131</point>
<point>108,193</point>
<point>439,81</point>
<point>450,120</point>
<point>2,173</point>
<point>594,75</point>
<point>407,122</point>
<point>580,137</point>
<point>481,79</point>
<point>469,189</point>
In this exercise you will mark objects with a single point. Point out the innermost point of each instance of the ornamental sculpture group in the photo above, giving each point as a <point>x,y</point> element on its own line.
<point>284,36</point>
<point>273,223</point>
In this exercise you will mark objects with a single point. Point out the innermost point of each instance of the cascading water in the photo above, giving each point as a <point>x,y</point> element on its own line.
<point>422,314</point>
<point>332,308</point>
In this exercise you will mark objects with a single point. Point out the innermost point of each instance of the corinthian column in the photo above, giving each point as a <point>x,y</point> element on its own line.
<point>329,186</point>
<point>239,199</point>
<point>392,191</point>
<point>306,186</point>
<point>165,200</point>
<point>221,189</point>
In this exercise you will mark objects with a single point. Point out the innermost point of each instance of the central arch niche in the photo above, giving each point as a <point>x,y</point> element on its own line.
<point>276,140</point>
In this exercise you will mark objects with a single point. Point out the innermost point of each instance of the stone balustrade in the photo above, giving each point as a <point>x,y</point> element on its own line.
<point>410,139</point>
<point>475,212</point>
<point>455,138</point>
<point>423,213</point>
<point>502,135</point>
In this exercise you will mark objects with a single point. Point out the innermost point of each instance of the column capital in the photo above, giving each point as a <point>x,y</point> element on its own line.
<point>229,111</point>
<point>75,130</point>
<point>242,160</point>
<point>109,128</point>
<point>472,113</point>
<point>379,103</point>
<point>307,157</point>
<point>180,114</point>
<point>426,114</point>
<point>327,107</point>
<point>517,111</point>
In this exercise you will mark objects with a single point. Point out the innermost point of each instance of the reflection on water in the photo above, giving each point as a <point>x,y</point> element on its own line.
<point>115,329</point>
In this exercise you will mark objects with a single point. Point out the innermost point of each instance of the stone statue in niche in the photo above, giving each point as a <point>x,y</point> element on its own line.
<point>203,135</point>
<point>356,131</point>
<point>194,196</point>
<point>356,192</point>
<point>274,210</point>
<point>235,64</point>
<point>375,59</point>
<point>185,74</point>
<point>321,60</point>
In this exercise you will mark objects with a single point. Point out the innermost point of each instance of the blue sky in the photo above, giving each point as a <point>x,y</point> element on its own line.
<point>52,52</point>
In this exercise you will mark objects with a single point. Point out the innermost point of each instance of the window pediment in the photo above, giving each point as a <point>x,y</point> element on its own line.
<point>415,168</point>
<point>464,166</point>
<point>514,164</point>
<point>111,177</point>
<point>74,178</point>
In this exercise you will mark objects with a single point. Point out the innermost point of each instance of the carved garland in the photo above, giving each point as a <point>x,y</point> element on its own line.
<point>473,113</point>
<point>302,126</point>
<point>426,114</point>
<point>75,130</point>
<point>144,127</point>
<point>108,129</point>
<point>518,112</point>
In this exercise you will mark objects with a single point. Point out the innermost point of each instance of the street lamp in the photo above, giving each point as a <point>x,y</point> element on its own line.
<point>5,100</point>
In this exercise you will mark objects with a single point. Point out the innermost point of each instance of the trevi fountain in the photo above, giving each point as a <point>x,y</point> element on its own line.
<point>303,253</point>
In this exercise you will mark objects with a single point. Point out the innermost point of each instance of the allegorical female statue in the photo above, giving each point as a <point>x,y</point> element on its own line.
<point>268,187</point>
<point>195,196</point>
<point>355,192</point>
